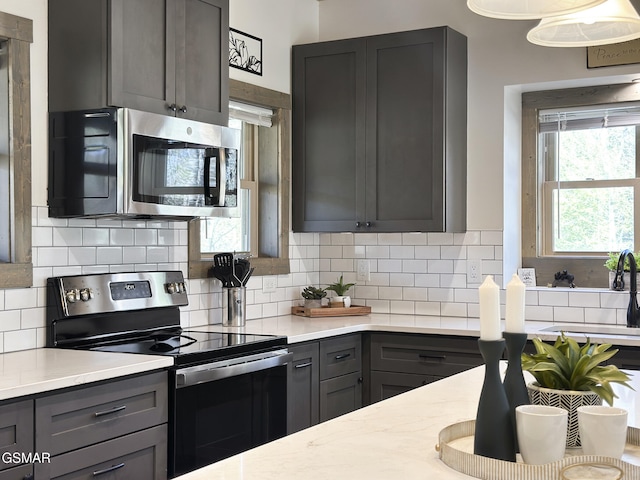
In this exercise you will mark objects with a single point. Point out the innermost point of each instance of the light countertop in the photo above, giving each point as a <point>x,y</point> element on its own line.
<point>40,370</point>
<point>301,329</point>
<point>394,438</point>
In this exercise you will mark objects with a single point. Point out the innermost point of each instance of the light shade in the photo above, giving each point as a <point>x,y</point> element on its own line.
<point>612,22</point>
<point>528,9</point>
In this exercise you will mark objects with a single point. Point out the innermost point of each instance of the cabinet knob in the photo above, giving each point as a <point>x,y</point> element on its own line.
<point>173,107</point>
<point>360,380</point>
<point>358,224</point>
<point>369,224</point>
<point>183,109</point>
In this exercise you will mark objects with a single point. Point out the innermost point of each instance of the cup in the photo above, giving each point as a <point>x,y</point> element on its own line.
<point>603,430</point>
<point>542,433</point>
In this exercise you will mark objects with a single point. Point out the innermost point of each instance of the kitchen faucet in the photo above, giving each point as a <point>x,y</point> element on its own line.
<point>633,312</point>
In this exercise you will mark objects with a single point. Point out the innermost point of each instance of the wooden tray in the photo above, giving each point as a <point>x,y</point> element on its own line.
<point>455,448</point>
<point>330,311</point>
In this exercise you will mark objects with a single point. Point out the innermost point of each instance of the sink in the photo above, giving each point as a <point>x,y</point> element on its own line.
<point>619,330</point>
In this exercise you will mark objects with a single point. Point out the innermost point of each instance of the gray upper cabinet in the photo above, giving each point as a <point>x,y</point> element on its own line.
<point>161,56</point>
<point>380,133</point>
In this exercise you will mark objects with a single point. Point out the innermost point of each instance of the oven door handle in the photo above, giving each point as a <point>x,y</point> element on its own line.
<point>189,376</point>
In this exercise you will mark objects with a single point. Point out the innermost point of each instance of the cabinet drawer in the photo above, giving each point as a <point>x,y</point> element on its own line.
<point>74,419</point>
<point>23,472</point>
<point>141,455</point>
<point>424,354</point>
<point>389,384</point>
<point>16,429</point>
<point>339,356</point>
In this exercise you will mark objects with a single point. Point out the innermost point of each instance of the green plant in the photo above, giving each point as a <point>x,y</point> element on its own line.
<point>313,293</point>
<point>339,287</point>
<point>612,261</point>
<point>567,366</point>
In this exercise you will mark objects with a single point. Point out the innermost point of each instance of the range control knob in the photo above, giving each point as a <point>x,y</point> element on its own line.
<point>175,287</point>
<point>86,294</point>
<point>72,295</point>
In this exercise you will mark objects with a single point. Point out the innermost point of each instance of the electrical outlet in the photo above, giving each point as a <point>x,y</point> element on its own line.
<point>269,284</point>
<point>364,270</point>
<point>474,271</point>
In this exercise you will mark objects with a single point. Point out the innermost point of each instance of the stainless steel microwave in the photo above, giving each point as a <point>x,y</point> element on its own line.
<point>123,162</point>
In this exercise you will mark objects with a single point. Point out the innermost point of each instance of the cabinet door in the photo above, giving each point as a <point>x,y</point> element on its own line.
<point>388,384</point>
<point>328,136</point>
<point>303,387</point>
<point>405,131</point>
<point>23,472</point>
<point>142,55</point>
<point>340,395</point>
<point>202,60</point>
<point>16,430</point>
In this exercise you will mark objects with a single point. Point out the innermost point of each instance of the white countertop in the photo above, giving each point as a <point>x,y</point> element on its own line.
<point>43,369</point>
<point>301,329</point>
<point>394,438</point>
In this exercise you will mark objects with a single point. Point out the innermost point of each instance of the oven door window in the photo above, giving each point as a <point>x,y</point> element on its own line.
<point>183,174</point>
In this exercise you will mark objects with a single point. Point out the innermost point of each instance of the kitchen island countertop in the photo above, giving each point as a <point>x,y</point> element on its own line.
<point>395,438</point>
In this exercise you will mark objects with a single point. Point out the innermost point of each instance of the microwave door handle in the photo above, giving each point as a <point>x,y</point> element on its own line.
<point>220,175</point>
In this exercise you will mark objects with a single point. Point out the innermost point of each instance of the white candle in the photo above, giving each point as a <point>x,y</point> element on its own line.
<point>515,305</point>
<point>489,310</point>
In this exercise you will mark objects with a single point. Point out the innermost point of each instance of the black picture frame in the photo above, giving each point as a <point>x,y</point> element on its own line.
<point>245,52</point>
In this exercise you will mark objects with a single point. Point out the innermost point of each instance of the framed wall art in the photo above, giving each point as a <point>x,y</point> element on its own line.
<point>245,52</point>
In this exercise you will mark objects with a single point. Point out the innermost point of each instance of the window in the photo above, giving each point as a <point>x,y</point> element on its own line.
<point>580,179</point>
<point>263,228</point>
<point>16,269</point>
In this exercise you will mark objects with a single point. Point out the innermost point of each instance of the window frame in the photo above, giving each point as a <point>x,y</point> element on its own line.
<point>588,270</point>
<point>18,32</point>
<point>199,265</point>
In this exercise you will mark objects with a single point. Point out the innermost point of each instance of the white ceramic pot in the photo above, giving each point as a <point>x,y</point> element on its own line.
<point>570,400</point>
<point>336,302</point>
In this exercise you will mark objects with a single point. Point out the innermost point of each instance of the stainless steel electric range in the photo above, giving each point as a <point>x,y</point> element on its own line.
<point>227,391</point>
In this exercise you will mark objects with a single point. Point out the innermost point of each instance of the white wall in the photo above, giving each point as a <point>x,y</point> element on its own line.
<point>279,24</point>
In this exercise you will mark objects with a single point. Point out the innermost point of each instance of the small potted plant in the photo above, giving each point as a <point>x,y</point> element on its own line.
<point>340,288</point>
<point>612,265</point>
<point>313,296</point>
<point>569,375</point>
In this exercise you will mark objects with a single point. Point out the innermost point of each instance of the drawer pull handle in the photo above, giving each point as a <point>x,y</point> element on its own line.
<point>426,356</point>
<point>108,469</point>
<point>303,365</point>
<point>342,356</point>
<point>109,412</point>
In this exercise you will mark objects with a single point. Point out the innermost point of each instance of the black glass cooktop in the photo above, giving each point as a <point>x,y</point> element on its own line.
<point>192,346</point>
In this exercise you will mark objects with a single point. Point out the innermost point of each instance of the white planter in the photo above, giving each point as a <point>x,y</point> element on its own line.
<point>570,400</point>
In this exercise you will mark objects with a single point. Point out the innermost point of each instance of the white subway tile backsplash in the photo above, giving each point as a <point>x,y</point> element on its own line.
<point>539,313</point>
<point>52,256</point>
<point>453,309</point>
<point>146,236</point>
<point>600,315</point>
<point>121,236</point>
<point>491,237</point>
<point>427,308</point>
<point>584,299</point>
<point>83,256</point>
<point>427,252</point>
<point>457,252</point>
<point>401,252</point>
<point>414,294</point>
<point>390,266</point>
<point>67,237</point>
<point>109,255</point>
<point>42,237</point>
<point>480,252</point>
<point>415,266</point>
<point>427,280</point>
<point>440,238</point>
<point>20,340</point>
<point>402,308</point>
<point>9,320</point>
<point>553,298</point>
<point>375,251</point>
<point>414,238</point>
<point>568,314</point>
<point>157,254</point>
<point>401,279</point>
<point>95,237</point>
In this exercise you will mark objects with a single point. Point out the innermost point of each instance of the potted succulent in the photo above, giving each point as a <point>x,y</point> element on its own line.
<point>340,288</point>
<point>569,375</point>
<point>612,265</point>
<point>313,296</point>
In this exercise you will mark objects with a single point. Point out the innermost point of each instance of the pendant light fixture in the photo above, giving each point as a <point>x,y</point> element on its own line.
<point>613,21</point>
<point>528,9</point>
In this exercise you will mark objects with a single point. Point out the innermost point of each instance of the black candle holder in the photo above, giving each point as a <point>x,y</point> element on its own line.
<point>494,436</point>
<point>514,385</point>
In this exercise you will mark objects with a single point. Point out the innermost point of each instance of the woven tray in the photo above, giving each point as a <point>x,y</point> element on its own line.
<point>331,311</point>
<point>455,447</point>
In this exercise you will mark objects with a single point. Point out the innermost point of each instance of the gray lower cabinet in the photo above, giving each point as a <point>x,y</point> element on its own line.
<point>162,56</point>
<point>379,133</point>
<point>340,376</point>
<point>118,426</point>
<point>303,387</point>
<point>400,362</point>
<point>16,437</point>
